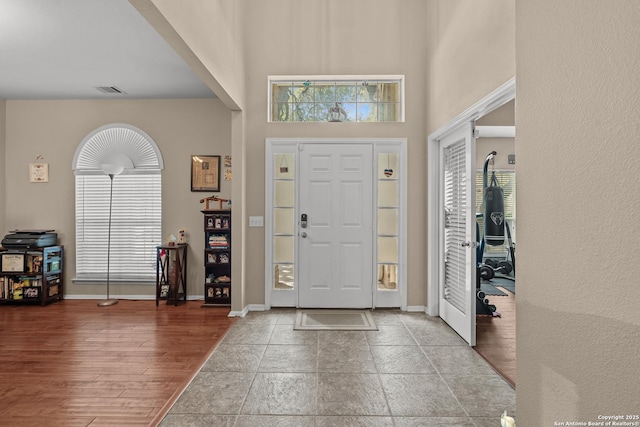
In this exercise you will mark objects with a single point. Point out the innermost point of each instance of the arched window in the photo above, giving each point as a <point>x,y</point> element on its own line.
<point>136,218</point>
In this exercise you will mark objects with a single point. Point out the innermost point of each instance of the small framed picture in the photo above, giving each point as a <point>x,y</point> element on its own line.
<point>164,291</point>
<point>12,263</point>
<point>38,172</point>
<point>225,292</point>
<point>205,173</point>
<point>211,258</point>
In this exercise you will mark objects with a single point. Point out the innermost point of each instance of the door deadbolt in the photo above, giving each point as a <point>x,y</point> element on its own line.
<point>303,221</point>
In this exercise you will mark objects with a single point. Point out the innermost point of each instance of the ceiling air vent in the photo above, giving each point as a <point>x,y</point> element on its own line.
<point>110,89</point>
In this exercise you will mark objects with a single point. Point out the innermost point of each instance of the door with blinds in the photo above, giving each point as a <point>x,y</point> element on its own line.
<point>457,303</point>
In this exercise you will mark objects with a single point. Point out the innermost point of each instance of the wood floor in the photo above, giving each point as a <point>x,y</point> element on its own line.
<point>496,337</point>
<point>72,363</point>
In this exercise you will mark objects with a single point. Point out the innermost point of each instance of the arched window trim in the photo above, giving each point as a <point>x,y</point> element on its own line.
<point>117,139</point>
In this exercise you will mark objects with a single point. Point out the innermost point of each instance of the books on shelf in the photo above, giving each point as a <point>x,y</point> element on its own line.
<point>13,287</point>
<point>218,241</point>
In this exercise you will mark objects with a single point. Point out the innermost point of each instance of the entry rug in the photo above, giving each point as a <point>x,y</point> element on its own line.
<point>334,320</point>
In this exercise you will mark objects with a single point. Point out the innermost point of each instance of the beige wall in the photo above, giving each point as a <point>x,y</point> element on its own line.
<point>294,37</point>
<point>3,160</point>
<point>54,129</point>
<point>206,35</point>
<point>503,116</point>
<point>578,104</point>
<point>310,37</point>
<point>471,51</point>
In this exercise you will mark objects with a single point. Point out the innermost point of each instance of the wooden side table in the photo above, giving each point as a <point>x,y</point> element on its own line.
<point>171,273</point>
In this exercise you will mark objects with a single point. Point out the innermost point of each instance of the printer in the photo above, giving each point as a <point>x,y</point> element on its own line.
<point>29,239</point>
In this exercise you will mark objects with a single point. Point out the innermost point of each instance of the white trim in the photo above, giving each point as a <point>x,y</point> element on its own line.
<point>241,313</point>
<point>386,298</point>
<point>291,145</point>
<point>128,297</point>
<point>336,77</point>
<point>495,132</point>
<point>136,282</point>
<point>495,99</point>
<point>416,309</point>
<point>79,154</point>
<point>288,145</point>
<point>247,309</point>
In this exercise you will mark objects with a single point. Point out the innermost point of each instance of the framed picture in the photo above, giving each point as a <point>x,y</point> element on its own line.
<point>38,172</point>
<point>12,263</point>
<point>31,292</point>
<point>205,173</point>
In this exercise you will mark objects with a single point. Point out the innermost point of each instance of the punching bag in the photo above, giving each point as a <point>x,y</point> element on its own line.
<point>493,213</point>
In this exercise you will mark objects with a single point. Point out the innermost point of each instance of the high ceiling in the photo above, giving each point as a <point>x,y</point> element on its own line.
<point>65,49</point>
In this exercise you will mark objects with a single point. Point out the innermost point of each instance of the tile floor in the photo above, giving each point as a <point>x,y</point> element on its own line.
<point>413,371</point>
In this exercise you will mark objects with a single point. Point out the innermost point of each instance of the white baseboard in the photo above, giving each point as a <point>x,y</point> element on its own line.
<point>129,297</point>
<point>247,309</point>
<point>241,313</point>
<point>416,308</point>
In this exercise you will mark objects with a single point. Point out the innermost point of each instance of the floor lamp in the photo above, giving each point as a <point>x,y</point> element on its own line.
<point>111,171</point>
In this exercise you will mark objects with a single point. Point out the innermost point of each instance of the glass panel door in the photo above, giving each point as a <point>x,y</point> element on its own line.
<point>388,230</point>
<point>283,221</point>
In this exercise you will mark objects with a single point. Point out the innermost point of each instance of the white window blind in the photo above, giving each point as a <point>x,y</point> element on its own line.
<point>136,211</point>
<point>135,226</point>
<point>455,202</point>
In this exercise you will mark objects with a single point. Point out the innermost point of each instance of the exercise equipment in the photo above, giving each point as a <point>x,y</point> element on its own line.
<point>493,211</point>
<point>494,228</point>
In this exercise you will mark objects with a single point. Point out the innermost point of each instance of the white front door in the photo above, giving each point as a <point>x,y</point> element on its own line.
<point>335,246</point>
<point>457,303</point>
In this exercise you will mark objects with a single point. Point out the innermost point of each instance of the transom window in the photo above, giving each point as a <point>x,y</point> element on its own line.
<point>336,99</point>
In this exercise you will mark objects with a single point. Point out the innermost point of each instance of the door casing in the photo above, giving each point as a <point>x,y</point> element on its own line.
<point>286,298</point>
<point>492,101</point>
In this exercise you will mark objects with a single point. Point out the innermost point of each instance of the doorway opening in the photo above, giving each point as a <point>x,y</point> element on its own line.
<point>495,336</point>
<point>335,223</point>
<point>453,154</point>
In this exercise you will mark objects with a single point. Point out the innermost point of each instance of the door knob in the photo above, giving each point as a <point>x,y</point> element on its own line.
<point>303,234</point>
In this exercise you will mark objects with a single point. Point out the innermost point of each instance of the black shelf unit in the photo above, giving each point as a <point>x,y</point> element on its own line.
<point>31,275</point>
<point>217,257</point>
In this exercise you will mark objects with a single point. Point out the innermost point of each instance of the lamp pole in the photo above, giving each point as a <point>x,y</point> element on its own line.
<point>109,301</point>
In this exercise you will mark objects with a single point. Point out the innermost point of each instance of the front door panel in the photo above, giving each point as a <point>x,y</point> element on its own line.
<point>336,247</point>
